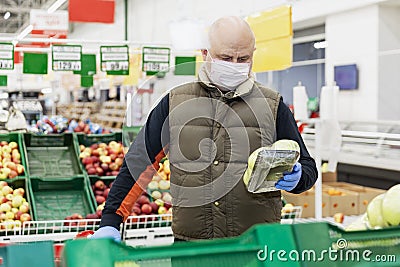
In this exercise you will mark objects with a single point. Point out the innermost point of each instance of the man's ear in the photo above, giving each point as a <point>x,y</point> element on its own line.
<point>204,53</point>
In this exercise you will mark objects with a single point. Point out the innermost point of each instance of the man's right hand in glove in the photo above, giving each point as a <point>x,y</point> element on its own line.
<point>107,232</point>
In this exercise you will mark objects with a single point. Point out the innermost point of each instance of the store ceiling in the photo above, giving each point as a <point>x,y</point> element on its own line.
<point>19,13</point>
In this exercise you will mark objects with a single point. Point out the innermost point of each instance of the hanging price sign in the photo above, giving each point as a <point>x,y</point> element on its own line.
<point>155,59</point>
<point>115,59</point>
<point>67,57</point>
<point>6,56</point>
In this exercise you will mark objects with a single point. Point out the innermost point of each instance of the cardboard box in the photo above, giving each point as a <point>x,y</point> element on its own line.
<point>329,177</point>
<point>365,194</point>
<point>344,201</point>
<point>307,201</point>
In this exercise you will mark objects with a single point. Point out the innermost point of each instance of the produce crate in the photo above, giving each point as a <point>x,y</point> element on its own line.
<point>50,156</point>
<point>129,134</point>
<point>14,228</point>
<point>37,254</point>
<point>88,139</point>
<point>16,137</point>
<point>55,199</point>
<point>318,237</point>
<point>236,251</point>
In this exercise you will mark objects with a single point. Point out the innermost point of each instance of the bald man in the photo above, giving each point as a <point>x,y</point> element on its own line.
<point>209,127</point>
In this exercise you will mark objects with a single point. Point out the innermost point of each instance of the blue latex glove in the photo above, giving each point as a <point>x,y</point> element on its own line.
<point>290,180</point>
<point>107,232</point>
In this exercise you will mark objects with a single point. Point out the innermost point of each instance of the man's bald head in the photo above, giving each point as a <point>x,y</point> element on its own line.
<point>230,39</point>
<point>231,31</point>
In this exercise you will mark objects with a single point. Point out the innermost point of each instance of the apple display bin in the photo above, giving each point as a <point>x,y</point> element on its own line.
<point>55,199</point>
<point>52,156</point>
<point>37,254</point>
<point>90,139</point>
<point>11,228</point>
<point>235,251</point>
<point>129,134</point>
<point>17,137</point>
<point>245,249</point>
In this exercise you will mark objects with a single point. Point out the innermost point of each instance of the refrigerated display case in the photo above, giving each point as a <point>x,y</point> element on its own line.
<point>369,154</point>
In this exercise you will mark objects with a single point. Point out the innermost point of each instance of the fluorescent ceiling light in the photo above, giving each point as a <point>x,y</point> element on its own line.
<point>7,15</point>
<point>25,32</point>
<point>322,44</point>
<point>56,6</point>
<point>47,91</point>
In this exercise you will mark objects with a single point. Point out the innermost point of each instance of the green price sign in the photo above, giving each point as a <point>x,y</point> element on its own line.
<point>155,59</point>
<point>6,56</point>
<point>115,59</point>
<point>66,57</point>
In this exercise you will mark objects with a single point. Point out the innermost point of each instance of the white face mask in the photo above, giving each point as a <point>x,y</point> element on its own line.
<point>228,74</point>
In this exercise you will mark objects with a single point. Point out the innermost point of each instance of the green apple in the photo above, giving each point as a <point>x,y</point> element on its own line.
<point>391,206</point>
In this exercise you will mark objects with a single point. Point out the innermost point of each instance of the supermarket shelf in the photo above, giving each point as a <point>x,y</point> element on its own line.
<point>371,144</point>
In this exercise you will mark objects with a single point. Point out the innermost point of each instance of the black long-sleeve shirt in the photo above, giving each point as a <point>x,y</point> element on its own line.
<point>142,159</point>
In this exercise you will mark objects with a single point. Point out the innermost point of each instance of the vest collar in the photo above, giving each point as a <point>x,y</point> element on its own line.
<point>242,90</point>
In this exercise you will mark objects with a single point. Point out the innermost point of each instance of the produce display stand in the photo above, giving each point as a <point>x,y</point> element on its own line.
<point>16,137</point>
<point>51,155</point>
<point>244,250</point>
<point>54,198</point>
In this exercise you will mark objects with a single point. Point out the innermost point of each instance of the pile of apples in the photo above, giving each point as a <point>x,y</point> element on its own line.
<point>10,161</point>
<point>14,209</point>
<point>102,159</point>
<point>144,206</point>
<point>100,190</point>
<point>160,181</point>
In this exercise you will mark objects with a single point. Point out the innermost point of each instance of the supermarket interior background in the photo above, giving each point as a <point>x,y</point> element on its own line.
<point>78,79</point>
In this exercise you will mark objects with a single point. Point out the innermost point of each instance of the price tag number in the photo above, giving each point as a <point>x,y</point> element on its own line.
<point>116,65</point>
<point>67,65</point>
<point>6,64</point>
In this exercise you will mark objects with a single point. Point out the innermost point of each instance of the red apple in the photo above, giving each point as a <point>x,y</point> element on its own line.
<point>94,146</point>
<point>3,143</point>
<point>114,173</point>
<point>95,159</point>
<point>119,161</point>
<point>96,153</point>
<point>121,155</point>
<point>136,210</point>
<point>104,166</point>
<point>106,191</point>
<point>113,157</point>
<point>96,165</point>
<point>92,216</point>
<point>99,171</point>
<point>99,213</point>
<point>113,166</point>
<point>98,192</point>
<point>91,171</point>
<point>167,205</point>
<point>99,184</point>
<point>90,165</point>
<point>12,174</point>
<point>76,216</point>
<point>154,207</point>
<point>100,199</point>
<point>143,200</point>
<point>146,209</point>
<point>108,173</point>
<point>87,160</point>
<point>18,215</point>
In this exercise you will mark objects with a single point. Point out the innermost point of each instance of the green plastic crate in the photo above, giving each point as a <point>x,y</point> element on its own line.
<point>51,156</point>
<point>89,139</point>
<point>93,178</point>
<point>18,183</point>
<point>17,137</point>
<point>37,254</point>
<point>129,134</point>
<point>318,237</point>
<point>55,199</point>
<point>236,251</point>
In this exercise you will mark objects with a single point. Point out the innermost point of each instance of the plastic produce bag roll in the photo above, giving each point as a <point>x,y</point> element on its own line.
<point>266,165</point>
